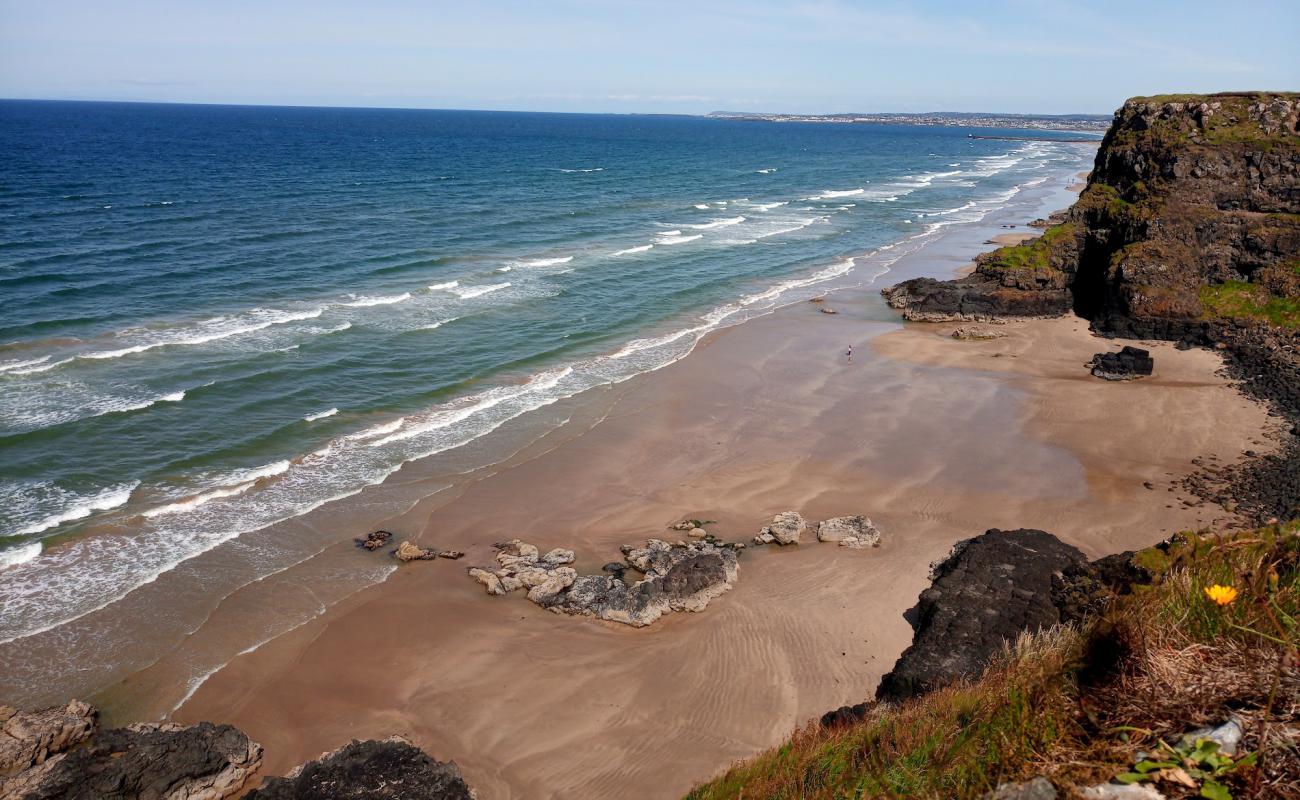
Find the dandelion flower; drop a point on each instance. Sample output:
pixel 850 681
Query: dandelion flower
pixel 1222 595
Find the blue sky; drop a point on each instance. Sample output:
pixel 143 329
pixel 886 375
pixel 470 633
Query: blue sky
pixel 1045 56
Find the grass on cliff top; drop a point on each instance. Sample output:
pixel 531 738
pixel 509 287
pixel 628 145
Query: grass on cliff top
pixel 1032 256
pixel 1079 704
pixel 1230 124
pixel 1249 301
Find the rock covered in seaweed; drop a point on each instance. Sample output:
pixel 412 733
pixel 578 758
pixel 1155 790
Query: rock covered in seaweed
pixel 374 540
pixel 393 769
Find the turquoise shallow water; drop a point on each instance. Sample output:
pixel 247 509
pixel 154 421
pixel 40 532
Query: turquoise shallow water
pixel 214 318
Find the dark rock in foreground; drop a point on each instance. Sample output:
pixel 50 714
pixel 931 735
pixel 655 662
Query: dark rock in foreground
pixel 147 760
pixel 370 770
pixel 1126 365
pixel 989 590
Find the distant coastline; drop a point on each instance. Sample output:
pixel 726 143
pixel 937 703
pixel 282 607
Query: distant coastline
pixel 957 119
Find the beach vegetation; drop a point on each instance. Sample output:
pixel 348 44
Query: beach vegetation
pixel 1108 700
pixel 1252 302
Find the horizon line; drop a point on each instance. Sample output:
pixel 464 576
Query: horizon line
pixel 1034 115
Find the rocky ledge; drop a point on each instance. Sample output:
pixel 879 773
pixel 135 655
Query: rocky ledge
pixel 677 577
pixel 373 770
pixel 56 753
pixel 985 593
pixel 59 754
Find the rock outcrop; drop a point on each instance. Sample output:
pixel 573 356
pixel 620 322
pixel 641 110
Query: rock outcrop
pixel 1126 365
pixel 29 738
pixel 786 528
pixel 677 577
pixel 374 540
pixel 393 769
pixel 55 753
pixel 985 592
pixel 855 532
pixel 1191 217
pixel 408 551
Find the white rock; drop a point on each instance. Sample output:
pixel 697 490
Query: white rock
pixel 490 582
pixel 786 528
pixel 1121 791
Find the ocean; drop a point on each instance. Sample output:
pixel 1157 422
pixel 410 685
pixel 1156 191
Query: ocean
pixel 215 318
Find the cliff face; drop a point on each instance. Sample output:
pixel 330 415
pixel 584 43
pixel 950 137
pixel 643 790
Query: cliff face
pixel 1191 218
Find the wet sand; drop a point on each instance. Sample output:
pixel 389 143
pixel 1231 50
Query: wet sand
pixel 934 439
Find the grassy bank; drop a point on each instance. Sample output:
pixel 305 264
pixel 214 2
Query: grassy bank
pixel 1084 704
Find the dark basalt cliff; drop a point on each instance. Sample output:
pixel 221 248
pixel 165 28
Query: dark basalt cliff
pixel 1190 219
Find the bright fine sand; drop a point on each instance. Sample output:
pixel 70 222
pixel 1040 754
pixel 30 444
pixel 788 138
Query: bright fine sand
pixel 935 439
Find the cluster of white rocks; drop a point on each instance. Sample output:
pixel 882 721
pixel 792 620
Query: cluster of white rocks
pixel 681 576
pixel 788 526
pixel 676 576
pixel 523 566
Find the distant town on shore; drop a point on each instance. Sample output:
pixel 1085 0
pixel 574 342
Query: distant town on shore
pixel 1063 122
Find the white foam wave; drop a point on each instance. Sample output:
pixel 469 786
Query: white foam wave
pixel 680 239
pixel 590 169
pixel 770 206
pixel 767 171
pixel 717 223
pixel 478 291
pixel 632 250
pixel 189 504
pixel 365 302
pixel 832 194
pixel 458 412
pixel 433 326
pixel 19 365
pixel 106 500
pixel 440 286
pixel 320 415
pixel 547 262
pixel 19 555
pixel 378 430
pixel 213 330
pixel 702 206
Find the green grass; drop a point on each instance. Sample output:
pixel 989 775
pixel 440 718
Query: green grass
pixel 1031 257
pixel 1248 301
pixel 1042 709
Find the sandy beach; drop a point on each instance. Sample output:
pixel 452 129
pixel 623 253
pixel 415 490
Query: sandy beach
pixel 935 439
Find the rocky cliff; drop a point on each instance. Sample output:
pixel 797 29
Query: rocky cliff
pixel 1190 220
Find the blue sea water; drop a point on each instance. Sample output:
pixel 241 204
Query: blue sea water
pixel 213 318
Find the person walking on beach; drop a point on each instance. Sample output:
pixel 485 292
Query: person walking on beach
pixel 850 354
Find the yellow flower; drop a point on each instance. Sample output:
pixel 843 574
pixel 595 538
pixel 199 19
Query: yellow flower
pixel 1222 595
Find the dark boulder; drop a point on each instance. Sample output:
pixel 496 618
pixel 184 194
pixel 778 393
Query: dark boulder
pixel 374 540
pixel 393 769
pixel 846 715
pixel 202 762
pixel 1127 364
pixel 988 590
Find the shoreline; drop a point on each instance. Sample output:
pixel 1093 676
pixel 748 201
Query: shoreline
pixel 917 462
pixel 306 549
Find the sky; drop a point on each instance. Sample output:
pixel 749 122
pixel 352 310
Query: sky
pixel 655 56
